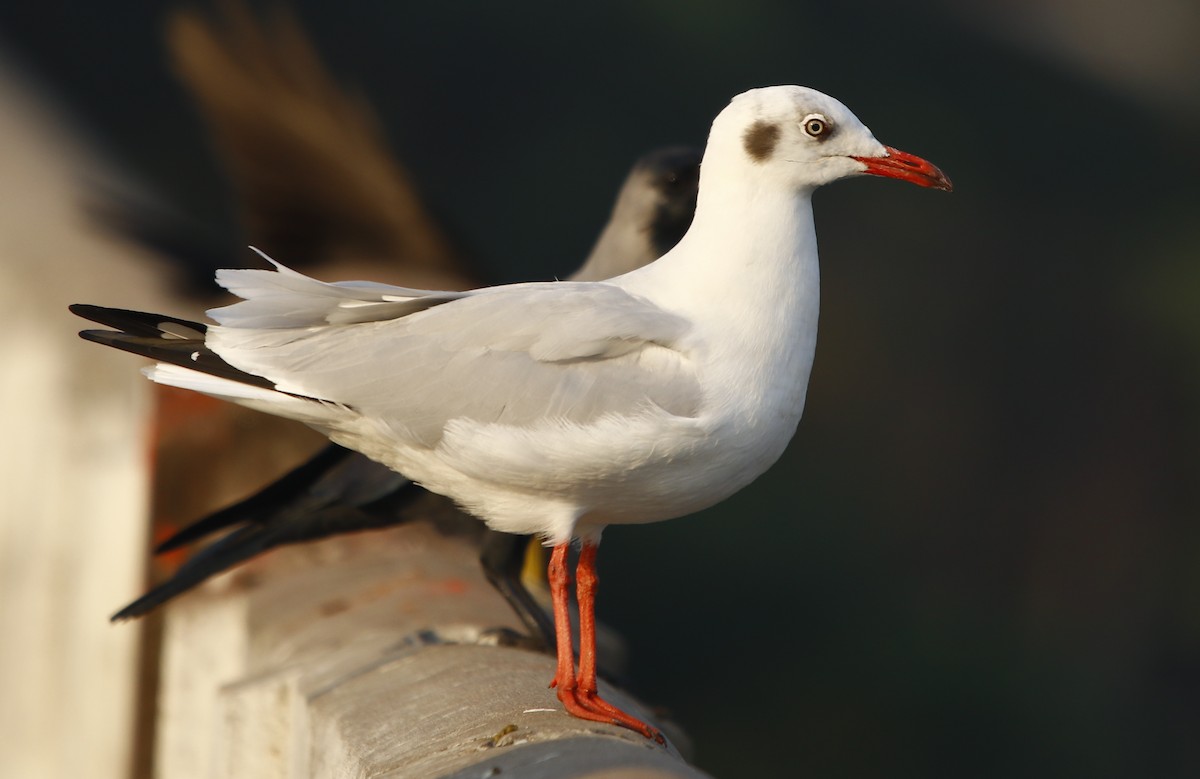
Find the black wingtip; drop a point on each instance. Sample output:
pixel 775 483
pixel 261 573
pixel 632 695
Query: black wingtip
pixel 125 614
pixel 147 603
pixel 264 504
pixel 139 323
pixel 162 338
pixel 105 337
pixel 223 554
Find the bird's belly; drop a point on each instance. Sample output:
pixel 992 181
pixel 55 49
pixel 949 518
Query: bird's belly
pixel 730 457
pixel 618 470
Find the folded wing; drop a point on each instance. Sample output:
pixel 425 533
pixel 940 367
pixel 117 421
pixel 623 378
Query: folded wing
pixel 565 352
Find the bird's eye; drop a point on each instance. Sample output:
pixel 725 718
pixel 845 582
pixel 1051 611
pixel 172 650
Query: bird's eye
pixel 815 126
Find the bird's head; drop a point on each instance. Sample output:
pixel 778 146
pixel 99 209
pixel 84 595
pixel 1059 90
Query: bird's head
pixel 803 139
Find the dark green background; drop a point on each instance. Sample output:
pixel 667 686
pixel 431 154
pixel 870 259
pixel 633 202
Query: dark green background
pixel 981 555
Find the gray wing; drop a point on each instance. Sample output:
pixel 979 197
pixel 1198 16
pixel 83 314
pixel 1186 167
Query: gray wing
pixel 513 355
pixel 284 298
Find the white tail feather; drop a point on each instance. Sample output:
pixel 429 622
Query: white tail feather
pixel 177 376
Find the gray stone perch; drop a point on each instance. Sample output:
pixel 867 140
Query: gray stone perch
pixel 374 655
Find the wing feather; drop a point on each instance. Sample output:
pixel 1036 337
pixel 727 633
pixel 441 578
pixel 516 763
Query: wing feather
pixel 284 298
pixel 514 355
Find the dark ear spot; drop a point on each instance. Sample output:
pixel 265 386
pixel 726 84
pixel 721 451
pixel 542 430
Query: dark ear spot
pixel 760 140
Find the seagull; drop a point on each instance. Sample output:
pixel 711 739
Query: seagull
pixel 339 491
pixel 558 408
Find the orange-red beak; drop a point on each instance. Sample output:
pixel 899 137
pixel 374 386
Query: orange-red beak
pixel 907 167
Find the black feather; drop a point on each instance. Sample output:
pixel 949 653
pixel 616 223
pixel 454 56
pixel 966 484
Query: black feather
pixel 136 322
pixel 242 544
pixel 162 338
pixel 284 492
pixel 331 494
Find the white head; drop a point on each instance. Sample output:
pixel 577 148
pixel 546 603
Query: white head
pixel 799 138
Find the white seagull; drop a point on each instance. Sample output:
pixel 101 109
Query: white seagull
pixel 559 408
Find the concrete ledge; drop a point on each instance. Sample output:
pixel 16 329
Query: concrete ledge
pixel 375 655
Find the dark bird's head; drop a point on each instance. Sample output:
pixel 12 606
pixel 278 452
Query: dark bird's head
pixel 653 211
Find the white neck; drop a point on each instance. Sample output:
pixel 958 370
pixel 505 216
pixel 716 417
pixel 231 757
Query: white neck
pixel 748 269
pixel 750 257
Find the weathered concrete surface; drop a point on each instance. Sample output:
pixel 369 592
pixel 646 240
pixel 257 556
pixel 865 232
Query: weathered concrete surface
pixel 373 655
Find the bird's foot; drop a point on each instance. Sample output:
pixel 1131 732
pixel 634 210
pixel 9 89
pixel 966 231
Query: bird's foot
pixel 587 704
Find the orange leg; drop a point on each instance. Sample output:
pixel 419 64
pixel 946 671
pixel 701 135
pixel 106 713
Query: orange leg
pixel 580 696
pixel 556 573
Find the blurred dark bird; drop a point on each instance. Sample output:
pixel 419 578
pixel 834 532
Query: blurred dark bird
pixel 339 491
pixel 315 182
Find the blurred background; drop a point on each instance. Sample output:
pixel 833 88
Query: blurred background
pixel 981 554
